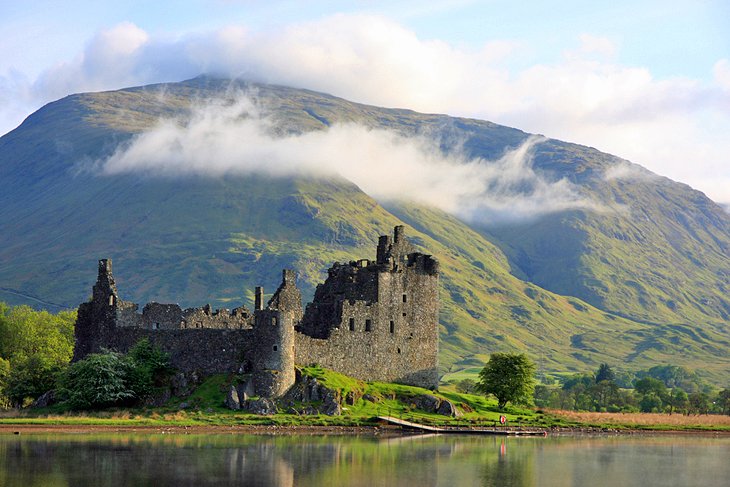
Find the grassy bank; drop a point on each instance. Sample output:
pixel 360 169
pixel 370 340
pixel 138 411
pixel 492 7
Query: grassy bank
pixel 205 408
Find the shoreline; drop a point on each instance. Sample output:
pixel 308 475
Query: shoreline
pixel 243 429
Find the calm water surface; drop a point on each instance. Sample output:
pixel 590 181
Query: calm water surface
pixel 196 460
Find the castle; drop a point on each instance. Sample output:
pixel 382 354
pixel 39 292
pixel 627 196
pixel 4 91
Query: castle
pixel 373 320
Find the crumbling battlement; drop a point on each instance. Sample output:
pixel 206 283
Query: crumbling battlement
pixel 374 320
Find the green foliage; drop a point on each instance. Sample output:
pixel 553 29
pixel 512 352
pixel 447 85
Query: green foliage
pixel 677 400
pixel 650 403
pixel 605 372
pixel 510 377
pixel 150 368
pixel 467 386
pixel 4 375
pixel 723 401
pixel 111 379
pixel 34 347
pixel 699 403
pixel 649 384
pixel 674 376
pixel 99 380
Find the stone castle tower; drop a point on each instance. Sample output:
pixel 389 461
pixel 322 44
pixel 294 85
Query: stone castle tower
pixel 373 320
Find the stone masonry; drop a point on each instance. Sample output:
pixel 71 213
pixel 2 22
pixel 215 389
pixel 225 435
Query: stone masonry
pixel 373 320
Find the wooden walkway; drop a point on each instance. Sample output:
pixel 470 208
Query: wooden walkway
pixel 459 430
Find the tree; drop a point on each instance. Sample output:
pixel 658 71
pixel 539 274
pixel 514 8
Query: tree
pixel 509 377
pixel 649 384
pixel 653 392
pixel 723 401
pixel 99 380
pixel 604 394
pixel 111 379
pixel 36 345
pixel 650 403
pixel 605 373
pixel 678 400
pixel 699 403
pixel 4 373
pixel 150 368
pixel 466 386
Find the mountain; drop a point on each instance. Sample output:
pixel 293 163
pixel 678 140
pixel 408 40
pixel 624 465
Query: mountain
pixel 637 277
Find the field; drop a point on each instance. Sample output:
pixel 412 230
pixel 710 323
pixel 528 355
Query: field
pixel 651 421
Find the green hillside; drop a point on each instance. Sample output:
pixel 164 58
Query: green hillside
pixel 641 282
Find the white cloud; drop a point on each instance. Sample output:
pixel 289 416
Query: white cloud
pixel 236 138
pixel 674 126
pixel 627 170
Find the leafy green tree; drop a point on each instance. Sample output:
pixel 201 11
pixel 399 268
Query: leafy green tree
pixel 31 377
pixel 723 401
pixel 4 374
pixel 699 403
pixel 37 345
pixel 510 377
pixel 466 386
pixel 650 403
pixel 649 384
pixel 112 379
pixel 99 380
pixel 604 393
pixel 677 400
pixel 653 394
pixel 150 368
pixel 605 373
pixel 676 376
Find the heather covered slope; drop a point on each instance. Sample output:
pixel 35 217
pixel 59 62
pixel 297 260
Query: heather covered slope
pixel 651 256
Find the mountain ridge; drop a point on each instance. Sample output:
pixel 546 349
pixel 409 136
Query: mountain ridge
pixel 188 240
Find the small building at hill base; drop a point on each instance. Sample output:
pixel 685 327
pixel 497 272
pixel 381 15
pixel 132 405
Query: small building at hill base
pixel 372 320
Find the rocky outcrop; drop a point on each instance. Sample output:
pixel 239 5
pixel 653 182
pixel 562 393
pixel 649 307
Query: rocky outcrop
pixel 431 404
pixel 262 406
pixel 309 396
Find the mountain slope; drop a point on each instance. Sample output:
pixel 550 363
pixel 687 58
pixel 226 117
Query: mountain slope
pixel 652 260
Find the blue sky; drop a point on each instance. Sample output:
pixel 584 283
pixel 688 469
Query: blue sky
pixel 646 80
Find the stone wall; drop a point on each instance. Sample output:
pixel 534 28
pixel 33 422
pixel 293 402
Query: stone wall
pixel 377 320
pixel 374 320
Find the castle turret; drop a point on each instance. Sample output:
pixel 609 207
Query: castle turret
pixel 273 372
pixel 96 319
pixel 105 289
pixel 258 298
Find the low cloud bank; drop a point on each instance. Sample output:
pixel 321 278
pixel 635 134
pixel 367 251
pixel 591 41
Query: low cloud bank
pixel 233 138
pixel 583 96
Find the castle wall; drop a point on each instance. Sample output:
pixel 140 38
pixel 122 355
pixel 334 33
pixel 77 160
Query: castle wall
pixel 371 320
pixel 203 351
pixel 393 336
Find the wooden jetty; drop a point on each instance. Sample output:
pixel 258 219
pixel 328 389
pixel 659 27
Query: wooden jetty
pixel 410 425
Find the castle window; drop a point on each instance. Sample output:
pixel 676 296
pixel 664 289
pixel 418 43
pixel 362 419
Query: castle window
pixel 368 325
pixel 392 326
pixel 352 324
pixel 155 326
pixel 404 315
pixel 276 348
pixel 111 300
pixel 405 298
pixel 274 321
pixel 398 350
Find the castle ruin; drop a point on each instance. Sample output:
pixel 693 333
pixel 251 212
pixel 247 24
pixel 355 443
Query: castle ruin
pixel 373 320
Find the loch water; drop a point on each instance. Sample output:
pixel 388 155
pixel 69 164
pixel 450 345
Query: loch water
pixel 159 460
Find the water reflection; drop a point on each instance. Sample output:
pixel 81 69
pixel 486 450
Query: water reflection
pixel 282 461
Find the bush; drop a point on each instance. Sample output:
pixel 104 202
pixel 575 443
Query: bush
pixel 100 380
pixel 112 379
